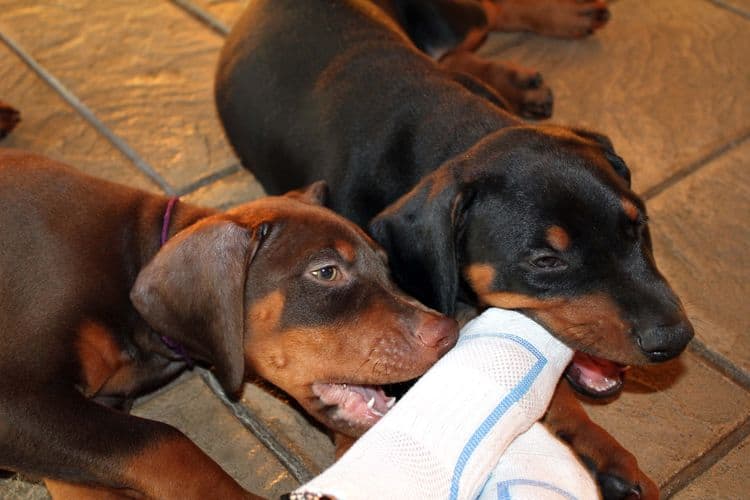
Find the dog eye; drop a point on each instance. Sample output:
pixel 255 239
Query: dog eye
pixel 548 262
pixel 327 273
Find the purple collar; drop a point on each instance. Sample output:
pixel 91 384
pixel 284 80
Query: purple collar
pixel 173 345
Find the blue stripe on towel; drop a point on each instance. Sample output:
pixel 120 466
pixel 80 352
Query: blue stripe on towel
pixel 503 488
pixel 497 413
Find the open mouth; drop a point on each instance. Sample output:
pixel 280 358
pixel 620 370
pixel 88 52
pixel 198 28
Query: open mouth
pixel 595 377
pixel 359 405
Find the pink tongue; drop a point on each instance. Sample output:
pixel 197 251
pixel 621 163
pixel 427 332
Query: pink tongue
pixel 595 374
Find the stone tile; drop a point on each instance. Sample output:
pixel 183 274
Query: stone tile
pixel 227 192
pixel 701 232
pixel 16 489
pixel 670 414
pixel 226 11
pixel 292 427
pixel 192 407
pixel 728 478
pixel 145 68
pixel 51 127
pixel 666 80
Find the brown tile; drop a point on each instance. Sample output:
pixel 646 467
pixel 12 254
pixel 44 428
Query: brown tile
pixel 145 68
pixel 227 192
pixel 670 414
pixel 51 127
pixel 226 11
pixel 192 407
pixel 728 478
pixel 295 431
pixel 701 232
pixel 666 80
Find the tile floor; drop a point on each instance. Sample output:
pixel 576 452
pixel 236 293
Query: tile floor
pixel 123 90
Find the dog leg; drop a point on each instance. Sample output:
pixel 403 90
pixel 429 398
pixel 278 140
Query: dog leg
pixel 60 490
pixel 615 468
pixel 557 18
pixel 65 438
pixel 522 88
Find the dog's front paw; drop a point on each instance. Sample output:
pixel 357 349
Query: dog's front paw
pixel 9 117
pixel 524 89
pixel 619 478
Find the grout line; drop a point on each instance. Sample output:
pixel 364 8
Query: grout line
pixel 209 179
pixel 88 115
pixel 693 167
pixel 704 462
pixel 251 422
pixel 202 16
pixel 731 8
pixel 720 363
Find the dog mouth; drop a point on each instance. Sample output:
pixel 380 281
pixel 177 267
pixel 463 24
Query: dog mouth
pixel 595 377
pixel 359 406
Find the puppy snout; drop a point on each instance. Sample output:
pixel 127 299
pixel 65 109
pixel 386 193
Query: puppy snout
pixel 438 332
pixel 661 343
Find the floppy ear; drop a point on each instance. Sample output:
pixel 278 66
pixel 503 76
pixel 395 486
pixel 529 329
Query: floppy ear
pixel 193 292
pixel 314 194
pixel 618 164
pixel 419 233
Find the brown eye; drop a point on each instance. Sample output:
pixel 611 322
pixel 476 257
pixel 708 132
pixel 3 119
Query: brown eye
pixel 327 273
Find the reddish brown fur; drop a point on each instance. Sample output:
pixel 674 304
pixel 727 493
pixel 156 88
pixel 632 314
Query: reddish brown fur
pixel 558 238
pixel 631 211
pixel 99 356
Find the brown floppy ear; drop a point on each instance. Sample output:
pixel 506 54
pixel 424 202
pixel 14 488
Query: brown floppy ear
pixel 314 194
pixel 193 292
pixel 419 233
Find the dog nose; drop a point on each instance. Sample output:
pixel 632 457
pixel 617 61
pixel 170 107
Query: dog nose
pixel 661 343
pixel 438 332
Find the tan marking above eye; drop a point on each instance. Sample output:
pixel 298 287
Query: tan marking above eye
pixel 558 238
pixel 346 250
pixel 480 277
pixel 631 211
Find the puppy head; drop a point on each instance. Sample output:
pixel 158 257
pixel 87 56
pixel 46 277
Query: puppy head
pixel 542 220
pixel 284 289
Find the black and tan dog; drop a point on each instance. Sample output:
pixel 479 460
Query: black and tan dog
pixel 278 288
pixel 474 207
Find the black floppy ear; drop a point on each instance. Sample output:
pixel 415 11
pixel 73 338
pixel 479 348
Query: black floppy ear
pixel 419 233
pixel 618 164
pixel 314 194
pixel 193 292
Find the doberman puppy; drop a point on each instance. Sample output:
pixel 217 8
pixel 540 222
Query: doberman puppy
pixel 473 207
pixel 94 311
pixel 451 30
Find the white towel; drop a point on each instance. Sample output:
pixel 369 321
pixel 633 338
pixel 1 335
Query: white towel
pixel 448 433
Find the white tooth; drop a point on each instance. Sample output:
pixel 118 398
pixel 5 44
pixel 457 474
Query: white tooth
pixel 371 402
pixel 390 402
pixel 376 412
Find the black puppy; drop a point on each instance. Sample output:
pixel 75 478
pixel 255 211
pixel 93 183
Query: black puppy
pixel 472 206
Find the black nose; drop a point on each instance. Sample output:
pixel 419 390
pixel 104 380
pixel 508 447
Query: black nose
pixel 661 343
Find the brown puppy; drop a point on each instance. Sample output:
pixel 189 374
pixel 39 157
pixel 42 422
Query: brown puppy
pixel 279 288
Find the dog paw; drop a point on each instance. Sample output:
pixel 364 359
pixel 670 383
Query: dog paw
pixel 556 18
pixel 524 90
pixel 622 480
pixel 9 117
pixel 616 488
